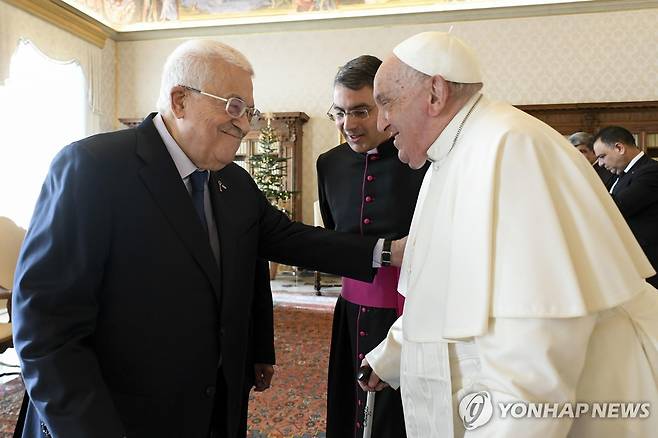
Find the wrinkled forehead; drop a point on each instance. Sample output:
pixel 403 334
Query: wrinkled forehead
pixel 387 79
pixel 228 80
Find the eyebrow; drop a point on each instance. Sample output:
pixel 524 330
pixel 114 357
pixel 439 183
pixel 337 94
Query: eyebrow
pixel 353 107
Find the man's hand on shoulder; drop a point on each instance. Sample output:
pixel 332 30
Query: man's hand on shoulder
pixel 397 251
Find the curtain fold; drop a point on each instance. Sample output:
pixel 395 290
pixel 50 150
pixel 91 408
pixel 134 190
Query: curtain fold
pixel 57 45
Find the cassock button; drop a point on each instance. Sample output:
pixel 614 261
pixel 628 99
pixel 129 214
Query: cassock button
pixel 358 402
pixel 361 356
pixel 370 178
pixel 366 221
pixel 362 333
pixel 369 198
pixel 210 391
pixel 374 157
pixel 358 425
pixel 364 310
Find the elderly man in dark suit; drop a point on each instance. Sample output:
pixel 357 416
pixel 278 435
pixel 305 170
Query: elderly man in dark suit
pixel 635 191
pixel 583 141
pixel 135 286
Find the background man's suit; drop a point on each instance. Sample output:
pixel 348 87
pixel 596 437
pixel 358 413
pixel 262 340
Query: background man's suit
pixel 636 195
pixel 123 320
pixel 608 178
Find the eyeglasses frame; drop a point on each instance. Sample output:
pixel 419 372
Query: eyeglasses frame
pixel 348 113
pixel 251 112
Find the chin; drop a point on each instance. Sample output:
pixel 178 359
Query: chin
pixel 403 157
pixel 360 148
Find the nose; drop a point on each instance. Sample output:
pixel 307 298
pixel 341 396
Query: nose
pixel 243 124
pixel 382 121
pixel 349 122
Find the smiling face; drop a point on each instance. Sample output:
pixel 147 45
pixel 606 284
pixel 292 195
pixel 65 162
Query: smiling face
pixel 202 128
pixel 402 112
pixel 361 134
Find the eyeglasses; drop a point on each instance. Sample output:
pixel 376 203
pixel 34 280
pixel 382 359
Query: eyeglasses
pixel 235 107
pixel 338 115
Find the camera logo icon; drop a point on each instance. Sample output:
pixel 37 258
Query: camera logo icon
pixel 476 409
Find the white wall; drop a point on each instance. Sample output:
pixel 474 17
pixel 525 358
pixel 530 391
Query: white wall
pixel 570 58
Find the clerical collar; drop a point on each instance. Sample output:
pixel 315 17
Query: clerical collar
pixel 439 150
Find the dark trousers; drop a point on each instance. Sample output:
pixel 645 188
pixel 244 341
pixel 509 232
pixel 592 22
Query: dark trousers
pixel 218 425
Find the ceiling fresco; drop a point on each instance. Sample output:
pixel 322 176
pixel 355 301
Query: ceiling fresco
pixel 127 15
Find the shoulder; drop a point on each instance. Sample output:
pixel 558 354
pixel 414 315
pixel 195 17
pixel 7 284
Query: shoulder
pixel 339 152
pixel 517 131
pixel 234 174
pixel 647 164
pixel 105 147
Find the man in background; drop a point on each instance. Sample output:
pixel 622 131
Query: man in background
pixel 635 188
pixel 584 142
pixel 134 288
pixel 363 189
pixel 523 282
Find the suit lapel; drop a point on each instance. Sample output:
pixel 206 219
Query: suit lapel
pixel 219 194
pixel 162 180
pixel 627 178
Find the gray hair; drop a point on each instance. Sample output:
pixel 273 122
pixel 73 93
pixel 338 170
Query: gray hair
pixel 582 138
pixel 458 90
pixel 192 64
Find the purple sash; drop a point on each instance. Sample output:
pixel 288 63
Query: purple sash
pixel 381 293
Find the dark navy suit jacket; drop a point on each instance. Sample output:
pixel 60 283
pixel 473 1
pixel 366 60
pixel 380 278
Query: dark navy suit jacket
pixel 636 195
pixel 123 320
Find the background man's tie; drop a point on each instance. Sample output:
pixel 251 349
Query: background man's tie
pixel 199 180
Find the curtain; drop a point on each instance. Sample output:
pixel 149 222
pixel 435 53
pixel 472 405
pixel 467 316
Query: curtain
pixel 57 44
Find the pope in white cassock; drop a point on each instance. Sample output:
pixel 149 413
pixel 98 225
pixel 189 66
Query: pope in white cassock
pixel 522 279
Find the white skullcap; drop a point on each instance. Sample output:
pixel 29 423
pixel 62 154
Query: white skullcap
pixel 439 53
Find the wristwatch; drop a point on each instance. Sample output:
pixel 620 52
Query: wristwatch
pixel 386 253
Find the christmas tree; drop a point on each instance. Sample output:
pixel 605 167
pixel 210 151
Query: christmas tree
pixel 269 170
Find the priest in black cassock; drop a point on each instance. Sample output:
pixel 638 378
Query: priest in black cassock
pixel 363 189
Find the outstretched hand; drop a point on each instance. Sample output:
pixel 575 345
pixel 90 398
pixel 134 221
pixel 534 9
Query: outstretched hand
pixel 397 251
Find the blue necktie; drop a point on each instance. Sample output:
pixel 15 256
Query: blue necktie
pixel 199 179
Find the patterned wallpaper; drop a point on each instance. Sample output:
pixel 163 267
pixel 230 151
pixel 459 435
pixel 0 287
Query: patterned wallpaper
pixel 570 58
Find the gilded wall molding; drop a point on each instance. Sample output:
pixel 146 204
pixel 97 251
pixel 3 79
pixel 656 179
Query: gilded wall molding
pixel 66 19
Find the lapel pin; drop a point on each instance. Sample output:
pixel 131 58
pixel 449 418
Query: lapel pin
pixel 221 185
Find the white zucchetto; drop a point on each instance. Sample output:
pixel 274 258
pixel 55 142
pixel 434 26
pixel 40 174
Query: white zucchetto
pixel 439 53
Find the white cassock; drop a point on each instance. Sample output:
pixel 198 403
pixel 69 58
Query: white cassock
pixel 521 278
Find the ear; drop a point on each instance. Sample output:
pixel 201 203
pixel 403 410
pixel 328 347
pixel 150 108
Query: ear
pixel 620 148
pixel 439 94
pixel 178 95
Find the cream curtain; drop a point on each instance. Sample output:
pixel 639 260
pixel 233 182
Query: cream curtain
pixel 59 45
